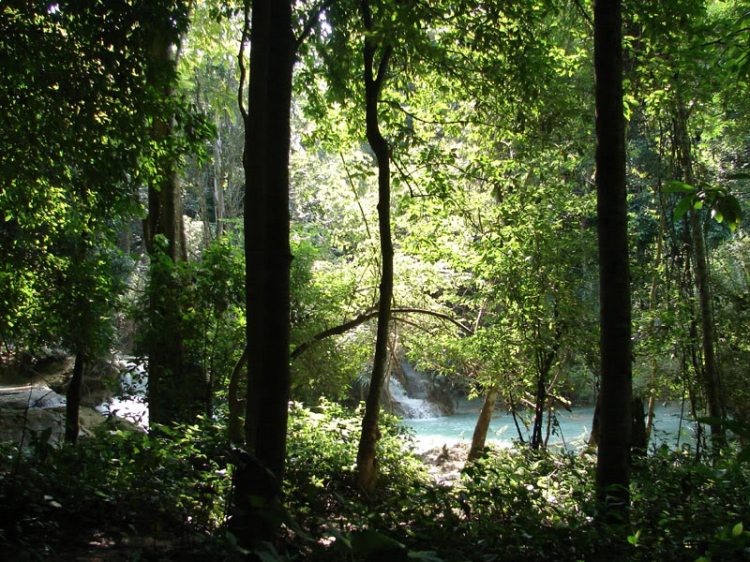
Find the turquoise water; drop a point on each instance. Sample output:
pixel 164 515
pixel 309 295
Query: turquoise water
pixel 572 432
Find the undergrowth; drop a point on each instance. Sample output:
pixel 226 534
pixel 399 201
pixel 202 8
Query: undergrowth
pixel 510 505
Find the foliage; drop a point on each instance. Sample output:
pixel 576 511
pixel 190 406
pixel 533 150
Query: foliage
pixel 118 482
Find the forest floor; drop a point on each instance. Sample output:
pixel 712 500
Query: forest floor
pixel 88 541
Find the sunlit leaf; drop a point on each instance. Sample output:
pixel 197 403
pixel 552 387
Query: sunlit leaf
pixel 678 187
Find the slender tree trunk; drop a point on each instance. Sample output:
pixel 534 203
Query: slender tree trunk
pixel 236 430
pixel 218 187
pixel 73 400
pixel 711 378
pixel 652 306
pixel 545 360
pixel 259 477
pixel 613 466
pixel 479 438
pixel 639 440
pixel 541 397
pixel 367 469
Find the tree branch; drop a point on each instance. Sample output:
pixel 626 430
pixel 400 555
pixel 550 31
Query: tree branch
pixel 310 24
pixel 241 61
pixel 369 315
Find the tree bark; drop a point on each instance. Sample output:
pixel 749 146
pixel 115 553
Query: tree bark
pixel 711 377
pixel 479 438
pixel 613 466
pixel 367 468
pixel 73 400
pixel 259 477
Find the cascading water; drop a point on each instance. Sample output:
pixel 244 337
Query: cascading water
pixel 416 405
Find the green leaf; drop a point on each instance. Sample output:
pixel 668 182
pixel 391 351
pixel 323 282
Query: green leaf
pixel 730 209
pixel 267 553
pixel 427 555
pixel 682 207
pixel 737 529
pixel 366 543
pixel 678 187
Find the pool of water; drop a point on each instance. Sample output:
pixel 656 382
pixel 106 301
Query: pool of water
pixel 571 432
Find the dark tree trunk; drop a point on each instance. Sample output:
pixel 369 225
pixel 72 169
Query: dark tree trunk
pixel 639 440
pixel 367 470
pixel 169 394
pixel 544 362
pixel 479 438
pixel 711 378
pixel 73 400
pixel 613 467
pixel 541 397
pixel 268 258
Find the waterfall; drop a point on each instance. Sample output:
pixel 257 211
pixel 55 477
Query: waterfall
pixel 410 400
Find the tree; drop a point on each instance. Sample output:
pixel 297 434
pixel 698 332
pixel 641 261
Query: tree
pixel 267 261
pixel 613 465
pixel 174 387
pixel 367 471
pixel 69 177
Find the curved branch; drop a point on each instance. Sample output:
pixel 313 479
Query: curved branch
pixel 369 315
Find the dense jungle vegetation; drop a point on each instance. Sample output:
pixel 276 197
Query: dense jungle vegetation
pixel 268 205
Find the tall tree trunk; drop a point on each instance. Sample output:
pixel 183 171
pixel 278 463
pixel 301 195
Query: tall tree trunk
pixel 613 466
pixel 479 438
pixel 711 378
pixel 73 400
pixel 367 469
pixel 258 480
pixel 168 393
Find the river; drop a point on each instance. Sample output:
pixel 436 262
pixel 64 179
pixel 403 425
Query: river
pixel 571 432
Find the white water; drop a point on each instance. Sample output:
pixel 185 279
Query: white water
pixel 130 404
pixel 411 407
pixel 572 432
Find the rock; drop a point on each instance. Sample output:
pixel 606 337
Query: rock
pixel 51 370
pixel 19 424
pixel 55 371
pixel 34 398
